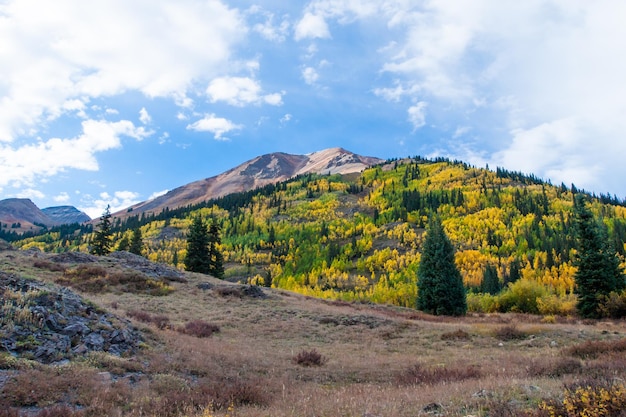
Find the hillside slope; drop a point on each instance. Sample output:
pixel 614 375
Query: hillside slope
pixel 210 348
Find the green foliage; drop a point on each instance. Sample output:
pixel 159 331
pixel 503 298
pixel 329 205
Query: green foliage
pixel 491 282
pixel 599 272
pixel 198 258
pixel 360 237
pixel 101 244
pixel 522 297
pixel 136 242
pixel 440 286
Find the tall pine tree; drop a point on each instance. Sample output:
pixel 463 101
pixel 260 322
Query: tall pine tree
pixel 491 281
pixel 440 286
pixel 216 257
pixel 197 258
pixel 136 242
pixel 101 243
pixel 599 272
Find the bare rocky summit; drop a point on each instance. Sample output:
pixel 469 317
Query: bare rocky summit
pixel 258 172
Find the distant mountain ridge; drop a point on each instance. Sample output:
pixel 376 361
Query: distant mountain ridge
pixel 24 212
pixel 66 214
pixel 260 171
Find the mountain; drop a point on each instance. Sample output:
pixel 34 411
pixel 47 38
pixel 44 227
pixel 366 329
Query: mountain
pixel 262 170
pixel 66 214
pixel 24 212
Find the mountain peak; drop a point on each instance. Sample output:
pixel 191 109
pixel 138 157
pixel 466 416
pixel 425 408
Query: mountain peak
pixel 266 169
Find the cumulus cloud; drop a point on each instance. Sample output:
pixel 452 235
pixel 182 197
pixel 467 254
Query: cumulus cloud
pixel 267 28
pixel 311 26
pixel 240 91
pixel 550 62
pixel 62 198
pixel 30 193
pixel 310 75
pixel 69 52
pixel 22 165
pixel 119 200
pixel 216 125
pixel 417 115
pixel 144 116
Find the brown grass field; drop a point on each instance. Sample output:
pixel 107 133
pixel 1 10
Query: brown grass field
pixel 220 351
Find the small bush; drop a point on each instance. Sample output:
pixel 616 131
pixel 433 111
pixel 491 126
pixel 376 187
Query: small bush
pixel 522 296
pixel 459 334
pixel 554 369
pixel 309 358
pixel 225 392
pixel 507 333
pixel 552 304
pixel 50 266
pixel 613 305
pixel 160 321
pixel 592 398
pixel 419 374
pixel 199 328
pixel 591 349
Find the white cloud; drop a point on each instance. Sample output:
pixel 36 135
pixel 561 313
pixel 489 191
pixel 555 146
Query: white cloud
pixel 267 28
pixel 69 51
pixel 311 26
pixel 417 115
pixel 216 125
pixel 62 198
pixel 157 194
pixel 144 116
pixel 286 118
pixel 240 91
pixel 120 200
pixel 310 75
pixel 30 193
pixel 22 165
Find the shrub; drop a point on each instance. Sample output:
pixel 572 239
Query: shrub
pixel 309 358
pixel 591 349
pixel 613 305
pixel 552 304
pixel 553 369
pixel 507 333
pixel 224 392
pixel 419 374
pixel 199 328
pixel 50 266
pixel 592 398
pixel 459 334
pixel 160 321
pixel 522 296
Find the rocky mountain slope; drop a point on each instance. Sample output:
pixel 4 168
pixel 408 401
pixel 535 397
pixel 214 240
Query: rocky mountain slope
pixel 66 214
pixel 262 170
pixel 23 211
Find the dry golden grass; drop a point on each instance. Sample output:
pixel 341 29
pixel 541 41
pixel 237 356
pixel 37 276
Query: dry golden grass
pixel 378 360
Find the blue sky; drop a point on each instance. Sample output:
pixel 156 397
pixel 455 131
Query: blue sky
pixel 113 102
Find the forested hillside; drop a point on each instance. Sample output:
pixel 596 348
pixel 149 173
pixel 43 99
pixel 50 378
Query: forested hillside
pixel 358 237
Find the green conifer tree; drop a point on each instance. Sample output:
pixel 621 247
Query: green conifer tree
pixel 123 244
pixel 491 282
pixel 440 286
pixel 599 272
pixel 136 242
pixel 198 259
pixel 101 243
pixel 215 256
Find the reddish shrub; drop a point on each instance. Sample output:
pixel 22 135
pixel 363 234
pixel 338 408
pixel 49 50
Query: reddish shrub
pixel 199 328
pixel 309 358
pixel 418 374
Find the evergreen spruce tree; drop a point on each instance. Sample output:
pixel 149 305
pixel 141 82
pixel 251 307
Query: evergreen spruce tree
pixel 215 256
pixel 136 242
pixel 491 282
pixel 101 243
pixel 598 272
pixel 440 286
pixel 198 259
pixel 515 272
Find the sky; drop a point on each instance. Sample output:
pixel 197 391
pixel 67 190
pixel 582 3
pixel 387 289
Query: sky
pixel 111 102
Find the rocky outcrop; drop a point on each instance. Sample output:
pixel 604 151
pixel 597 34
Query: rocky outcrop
pixel 149 268
pixel 49 324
